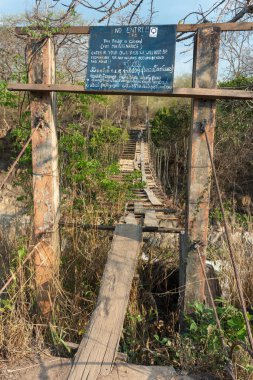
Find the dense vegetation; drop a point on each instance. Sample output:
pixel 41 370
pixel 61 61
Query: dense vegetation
pixel 92 131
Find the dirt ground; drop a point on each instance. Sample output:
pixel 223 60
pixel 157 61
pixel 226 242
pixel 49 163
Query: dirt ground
pixel 45 367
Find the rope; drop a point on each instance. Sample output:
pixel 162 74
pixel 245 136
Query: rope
pixel 231 253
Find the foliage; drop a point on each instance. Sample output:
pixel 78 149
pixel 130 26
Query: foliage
pixel 107 140
pixel 203 331
pixel 170 124
pixel 88 166
pixel 7 98
pixel 205 336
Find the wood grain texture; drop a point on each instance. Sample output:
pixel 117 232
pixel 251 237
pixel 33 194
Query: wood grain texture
pixel 41 59
pixel 98 348
pixel 205 70
pixel 152 198
pixel 195 93
pixel 150 194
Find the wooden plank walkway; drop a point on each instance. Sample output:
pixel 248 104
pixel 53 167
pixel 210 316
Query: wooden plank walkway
pixel 152 198
pixel 98 348
pixel 150 219
pixel 150 194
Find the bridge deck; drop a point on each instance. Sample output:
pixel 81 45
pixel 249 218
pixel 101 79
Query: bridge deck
pixel 96 354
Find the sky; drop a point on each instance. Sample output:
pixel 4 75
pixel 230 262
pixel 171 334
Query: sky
pixel 168 12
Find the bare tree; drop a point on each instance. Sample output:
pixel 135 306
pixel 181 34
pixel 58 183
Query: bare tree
pixel 220 11
pixel 236 53
pixel 106 9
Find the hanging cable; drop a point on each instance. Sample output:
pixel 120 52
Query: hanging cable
pixel 231 254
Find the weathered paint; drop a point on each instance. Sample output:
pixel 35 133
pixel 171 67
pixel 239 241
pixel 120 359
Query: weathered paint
pixel 205 68
pixel 45 169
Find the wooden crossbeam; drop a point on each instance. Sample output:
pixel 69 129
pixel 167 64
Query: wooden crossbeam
pixel 97 351
pixel 195 93
pixel 112 228
pixel 181 28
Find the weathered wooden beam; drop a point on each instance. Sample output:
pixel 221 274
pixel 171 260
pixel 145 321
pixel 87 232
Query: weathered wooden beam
pixel 112 228
pixel 181 28
pixel 150 219
pixel 205 69
pixel 41 63
pixel 196 93
pixel 97 351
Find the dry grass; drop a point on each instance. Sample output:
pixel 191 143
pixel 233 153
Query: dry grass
pixel 242 243
pixel 150 332
pixel 22 330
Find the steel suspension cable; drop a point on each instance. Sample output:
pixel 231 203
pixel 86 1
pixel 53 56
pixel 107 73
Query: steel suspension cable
pixel 230 248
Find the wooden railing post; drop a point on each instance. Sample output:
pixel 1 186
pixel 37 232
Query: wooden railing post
pixel 41 66
pixel 205 68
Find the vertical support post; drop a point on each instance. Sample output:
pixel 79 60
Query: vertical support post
pixel 147 119
pixel 129 111
pixel 41 61
pixel 205 69
pixel 182 270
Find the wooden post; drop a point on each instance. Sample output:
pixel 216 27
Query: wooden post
pixel 41 62
pixel 205 68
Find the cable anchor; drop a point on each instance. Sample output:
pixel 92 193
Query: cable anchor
pixel 201 125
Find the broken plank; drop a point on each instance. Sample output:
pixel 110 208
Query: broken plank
pixel 98 348
pixel 152 198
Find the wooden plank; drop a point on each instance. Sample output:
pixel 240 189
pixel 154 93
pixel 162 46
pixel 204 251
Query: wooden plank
pixel 138 208
pixel 98 348
pixel 196 93
pixel 184 28
pixel 152 198
pixel 41 63
pixel 130 219
pixel 205 69
pixel 150 219
pixel 112 228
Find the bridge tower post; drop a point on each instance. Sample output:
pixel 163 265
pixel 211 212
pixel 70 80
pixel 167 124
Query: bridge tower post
pixel 205 69
pixel 41 70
